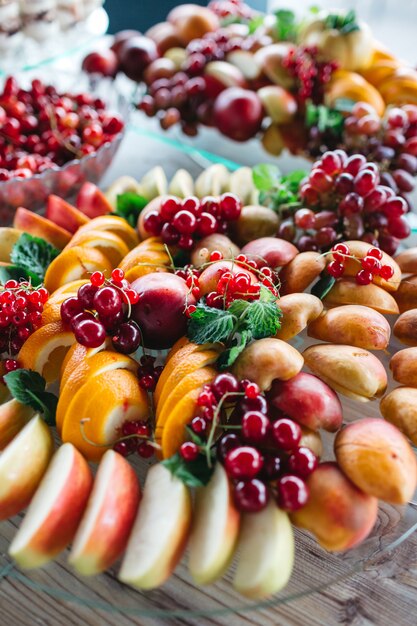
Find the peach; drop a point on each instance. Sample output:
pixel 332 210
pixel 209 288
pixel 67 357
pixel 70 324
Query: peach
pixel 403 366
pixel 338 514
pixel 406 295
pixel 311 439
pixel 225 74
pixel 345 291
pixel 192 21
pixel 301 272
pixel 64 214
pixel 164 35
pixel 266 360
pixel 92 202
pixel 41 227
pixel 354 325
pixel 298 310
pixel 359 249
pixel 270 59
pixel 400 408
pixel 308 400
pixel 378 459
pixel 255 222
pixel 354 372
pixel 270 251
pixel 405 327
pixel 203 248
pixel 210 276
pixel 278 103
pixel 407 260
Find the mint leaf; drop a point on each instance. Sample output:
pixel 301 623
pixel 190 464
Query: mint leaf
pixel 129 206
pixel 255 23
pixel 13 272
pixel 323 286
pixel 28 387
pixel 292 181
pixel 286 25
pixel 33 254
pixel 238 307
pixel 265 176
pixel 192 473
pixel 326 119
pixel 263 318
pixel 209 325
pixel 229 356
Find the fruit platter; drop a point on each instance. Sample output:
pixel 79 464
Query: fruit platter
pixel 201 375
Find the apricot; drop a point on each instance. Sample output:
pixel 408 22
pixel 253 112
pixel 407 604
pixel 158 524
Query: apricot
pixel 301 272
pixel 270 251
pixel 346 291
pixel 354 325
pixel 403 366
pixel 312 439
pixel 338 514
pixel 298 310
pixel 378 459
pixel 407 261
pixel 192 21
pixel 270 60
pixel 307 400
pixel 255 222
pixel 405 327
pixel 359 250
pixel 217 241
pixel 406 295
pixel 164 35
pixel 399 407
pixel 278 103
pixel 266 360
pixel 353 372
pixel 210 276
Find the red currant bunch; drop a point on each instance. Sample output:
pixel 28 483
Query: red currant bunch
pixel 181 222
pixel 135 438
pixel 21 308
pixel 102 308
pixel 370 265
pixel 148 373
pixel 311 74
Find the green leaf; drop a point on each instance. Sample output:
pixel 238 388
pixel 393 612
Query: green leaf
pixel 192 473
pixel 13 272
pixel 129 206
pixel 345 24
pixel 265 176
pixel 314 10
pixel 238 307
pixel 229 356
pixel 286 26
pixel 325 119
pixel 292 181
pixel 33 254
pixel 255 23
pixel 263 319
pixel 323 286
pixel 209 325
pixel 28 387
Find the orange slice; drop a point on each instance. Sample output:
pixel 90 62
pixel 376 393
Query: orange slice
pixel 143 253
pixel 68 288
pixel 45 350
pixel 74 264
pixel 173 434
pixel 111 245
pixel 202 376
pixel 106 402
pixel 76 355
pixel 103 361
pixel 114 224
pixel 178 345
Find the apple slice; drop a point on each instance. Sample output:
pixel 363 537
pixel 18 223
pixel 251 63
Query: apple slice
pixel 266 545
pixel 22 464
pixel 64 214
pixel 160 532
pixel 92 202
pixel 105 528
pixel 41 227
pixel 8 238
pixel 215 529
pixel 54 514
pixel 13 417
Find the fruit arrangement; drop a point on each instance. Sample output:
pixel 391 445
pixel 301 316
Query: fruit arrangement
pixel 172 342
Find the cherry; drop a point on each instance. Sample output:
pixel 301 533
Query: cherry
pixel 207 224
pixel 89 332
pixel 272 467
pixel 184 222
pixel 145 450
pixel 254 404
pixel 107 301
pixel 86 295
pixel 252 391
pixel 302 462
pixel 206 397
pixel 228 442
pixel 286 433
pixel 250 496
pixel 224 383
pixel 230 206
pixel 198 425
pixel 255 426
pixel 243 462
pixel 152 223
pixel 127 339
pixel 70 308
pixel 189 451
pixel 292 493
pixel 123 448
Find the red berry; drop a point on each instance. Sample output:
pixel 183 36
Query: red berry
pixel 89 333
pixel 147 382
pixel 386 272
pixel 97 279
pixel 335 269
pixel 371 264
pixel 86 295
pixel 10 365
pixel 255 426
pixel 152 223
pixel 198 425
pixel 206 398
pixel 228 442
pixel 145 450
pixel 286 433
pixel 302 462
pixel 216 256
pixel 70 308
pixel 117 275
pixel 293 493
pixel 207 224
pixel 189 451
pixel 191 308
pixel 342 248
pixel 224 383
pixel 252 391
pixel 132 296
pixel 169 206
pixel 243 462
pixel 184 222
pixel 250 496
pixel 363 277
pixel 375 252
pixel 191 204
pixel 123 448
pixel 108 301
pixel 230 206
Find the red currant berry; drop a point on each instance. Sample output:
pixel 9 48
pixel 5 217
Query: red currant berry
pixel 169 206
pixel 335 269
pixel 230 206
pixel 192 205
pixel 184 222
pixel 191 308
pixel 207 224
pixel 255 426
pixel 371 264
pixel 386 272
pixel 302 462
pixel 293 493
pixel 10 365
pixel 250 496
pixel 206 398
pixel 286 433
pixel 97 279
pixel 117 275
pixel 132 296
pixel 11 284
pixel 243 462
pixel 145 450
pixel 375 252
pixel 152 223
pixel 363 277
pixel 198 425
pixel 147 382
pixel 189 451
pixel 252 391
pixel 216 256
pixel 228 442
pixel 254 404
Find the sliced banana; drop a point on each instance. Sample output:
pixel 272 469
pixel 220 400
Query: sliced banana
pixel 8 238
pixel 213 181
pixel 154 183
pixel 241 184
pixel 182 184
pixel 124 184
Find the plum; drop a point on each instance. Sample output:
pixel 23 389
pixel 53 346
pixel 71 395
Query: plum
pixel 270 251
pixel 135 55
pixel 238 113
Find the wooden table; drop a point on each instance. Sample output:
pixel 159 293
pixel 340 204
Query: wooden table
pixel 385 593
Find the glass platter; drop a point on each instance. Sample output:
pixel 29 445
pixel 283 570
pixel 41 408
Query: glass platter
pixel 315 569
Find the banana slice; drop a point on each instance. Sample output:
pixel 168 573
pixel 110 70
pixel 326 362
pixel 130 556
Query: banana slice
pixel 124 184
pixel 154 183
pixel 182 184
pixel 213 181
pixel 241 184
pixel 8 238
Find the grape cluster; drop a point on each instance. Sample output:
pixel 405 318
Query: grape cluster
pixel 346 200
pixel 21 309
pixel 368 267
pixel 41 128
pixel 135 438
pixel 265 459
pixel 180 223
pixel 310 73
pixel 102 308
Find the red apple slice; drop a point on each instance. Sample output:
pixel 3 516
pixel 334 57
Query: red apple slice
pixel 13 417
pixel 41 227
pixel 160 532
pixel 55 512
pixel 92 202
pixel 22 464
pixel 215 529
pixel 64 214
pixel 105 528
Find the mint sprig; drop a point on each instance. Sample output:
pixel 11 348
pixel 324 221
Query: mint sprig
pixel 276 191
pixel 129 206
pixel 33 255
pixel 192 473
pixel 28 387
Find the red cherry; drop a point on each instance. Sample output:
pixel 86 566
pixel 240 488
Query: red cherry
pixel 302 462
pixel 230 206
pixel 69 308
pixel 286 433
pixel 250 496
pixel 243 462
pixel 145 450
pixel 123 448
pixel 86 295
pixel 252 391
pixel 89 333
pixel 189 451
pixel 198 425
pixel 185 222
pixel 224 383
pixel 255 426
pixel 293 493
pixel 207 224
pixel 228 442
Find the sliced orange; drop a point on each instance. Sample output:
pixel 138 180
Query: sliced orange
pixel 68 288
pixel 105 402
pixel 141 270
pixel 45 350
pixel 99 363
pixel 76 355
pixel 187 366
pixel 180 343
pixel 145 252
pixel 74 264
pixel 202 376
pixel 114 224
pixel 173 434
pixel 111 245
